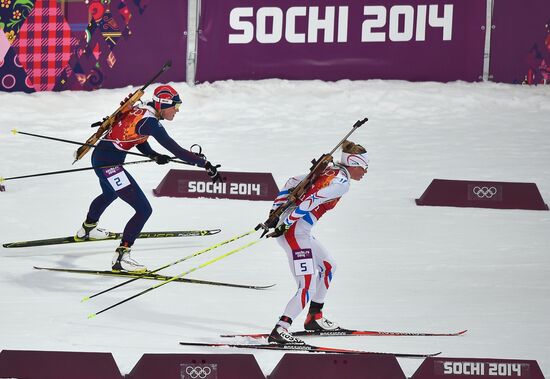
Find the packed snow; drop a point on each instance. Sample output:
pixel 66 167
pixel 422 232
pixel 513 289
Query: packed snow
pixel 401 267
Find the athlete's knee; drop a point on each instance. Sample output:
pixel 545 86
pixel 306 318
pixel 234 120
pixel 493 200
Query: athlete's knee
pixel 306 287
pixel 146 211
pixel 107 197
pixel 328 267
pixel 143 210
pixel 326 272
pixel 309 284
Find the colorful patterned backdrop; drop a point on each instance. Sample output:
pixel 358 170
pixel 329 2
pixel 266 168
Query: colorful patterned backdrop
pixel 89 44
pixel 13 14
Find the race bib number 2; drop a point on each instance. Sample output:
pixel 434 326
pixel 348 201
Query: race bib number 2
pixel 117 177
pixel 303 262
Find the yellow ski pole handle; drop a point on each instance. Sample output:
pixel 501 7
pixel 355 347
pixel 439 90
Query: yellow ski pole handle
pixel 172 264
pixel 176 277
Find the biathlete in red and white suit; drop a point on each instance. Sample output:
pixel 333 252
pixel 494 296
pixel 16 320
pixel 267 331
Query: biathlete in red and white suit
pixel 311 264
pixel 133 130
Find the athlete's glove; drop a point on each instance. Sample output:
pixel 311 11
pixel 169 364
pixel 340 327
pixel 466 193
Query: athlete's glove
pixel 268 224
pixel 161 158
pixel 212 172
pixel 278 231
pixel 271 222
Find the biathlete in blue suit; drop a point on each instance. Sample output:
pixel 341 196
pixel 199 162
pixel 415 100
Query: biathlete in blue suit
pixel 133 130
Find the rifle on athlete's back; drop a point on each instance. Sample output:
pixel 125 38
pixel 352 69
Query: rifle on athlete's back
pixel 106 124
pixel 315 171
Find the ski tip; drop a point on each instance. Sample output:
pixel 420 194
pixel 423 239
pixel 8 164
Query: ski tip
pixel 92 315
pixel 85 299
pixel 462 332
pixel 14 131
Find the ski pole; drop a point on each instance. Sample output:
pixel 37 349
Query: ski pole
pixel 171 264
pixel 15 131
pixel 71 170
pixel 176 277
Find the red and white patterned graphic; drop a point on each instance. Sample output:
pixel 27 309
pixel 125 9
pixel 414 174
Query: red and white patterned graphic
pixel 4 47
pixel 44 44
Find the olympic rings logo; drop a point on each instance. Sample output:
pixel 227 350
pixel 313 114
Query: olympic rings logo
pixel 484 192
pixel 198 372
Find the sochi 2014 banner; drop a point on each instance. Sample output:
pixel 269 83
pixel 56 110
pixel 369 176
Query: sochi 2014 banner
pixel 418 40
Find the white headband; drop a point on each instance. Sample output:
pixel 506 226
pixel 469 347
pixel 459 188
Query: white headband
pixel 163 101
pixel 355 160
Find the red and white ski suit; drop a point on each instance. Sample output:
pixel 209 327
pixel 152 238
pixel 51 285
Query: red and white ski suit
pixel 310 263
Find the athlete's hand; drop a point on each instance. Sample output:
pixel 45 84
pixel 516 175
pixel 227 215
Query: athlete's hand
pixel 161 158
pixel 278 231
pixel 271 221
pixel 212 172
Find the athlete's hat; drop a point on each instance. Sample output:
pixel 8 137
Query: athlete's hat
pixel 165 97
pixel 355 160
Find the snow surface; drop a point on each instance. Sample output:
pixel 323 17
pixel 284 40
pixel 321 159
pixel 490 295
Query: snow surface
pixel 401 267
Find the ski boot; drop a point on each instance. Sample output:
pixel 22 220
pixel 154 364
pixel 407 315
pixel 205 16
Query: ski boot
pixel 123 262
pixel 315 320
pixel 90 231
pixel 281 336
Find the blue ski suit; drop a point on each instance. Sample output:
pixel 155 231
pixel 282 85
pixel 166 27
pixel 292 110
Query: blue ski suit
pixel 133 130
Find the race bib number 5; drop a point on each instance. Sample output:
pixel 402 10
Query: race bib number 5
pixel 117 177
pixel 303 262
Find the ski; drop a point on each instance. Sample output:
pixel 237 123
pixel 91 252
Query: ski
pixel 151 276
pixel 113 236
pixel 306 348
pixel 351 332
